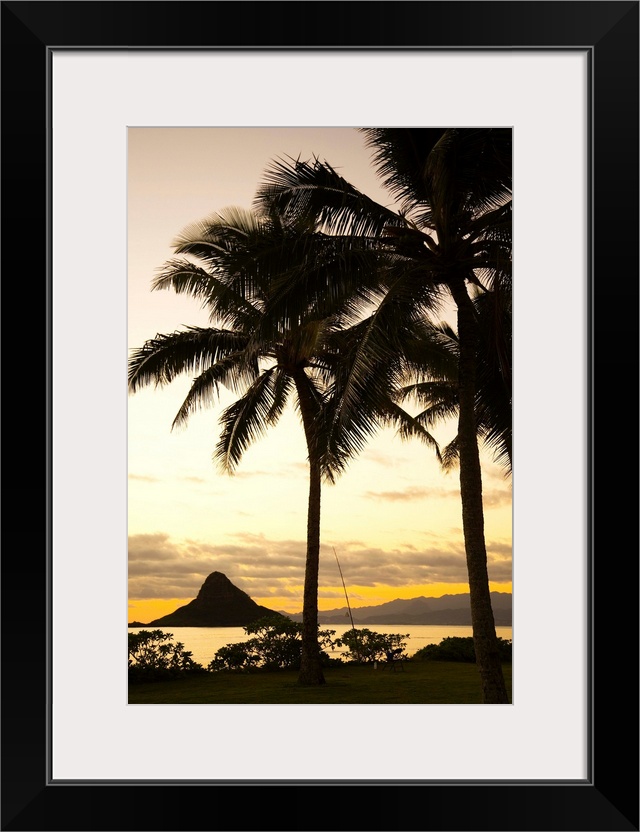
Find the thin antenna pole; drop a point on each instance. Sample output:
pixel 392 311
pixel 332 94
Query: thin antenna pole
pixel 353 626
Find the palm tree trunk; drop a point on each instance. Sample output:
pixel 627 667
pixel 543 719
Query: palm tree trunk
pixel 484 631
pixel 310 667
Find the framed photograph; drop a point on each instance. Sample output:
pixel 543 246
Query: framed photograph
pixel 82 78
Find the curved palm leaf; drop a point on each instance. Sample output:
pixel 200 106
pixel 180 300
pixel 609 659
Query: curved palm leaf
pixel 161 359
pixel 248 418
pixel 235 373
pixel 437 390
pixel 400 156
pixel 313 192
pixel 223 302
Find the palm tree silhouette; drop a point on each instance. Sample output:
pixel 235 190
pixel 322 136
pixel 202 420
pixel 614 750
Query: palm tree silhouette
pixel 266 351
pixel 451 234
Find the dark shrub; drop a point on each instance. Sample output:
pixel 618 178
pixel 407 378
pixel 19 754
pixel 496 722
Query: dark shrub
pixel 365 645
pixel 458 649
pixel 276 645
pixel 154 657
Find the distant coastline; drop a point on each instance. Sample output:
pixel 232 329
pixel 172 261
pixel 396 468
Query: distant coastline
pixel 446 610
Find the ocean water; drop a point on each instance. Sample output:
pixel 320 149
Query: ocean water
pixel 204 642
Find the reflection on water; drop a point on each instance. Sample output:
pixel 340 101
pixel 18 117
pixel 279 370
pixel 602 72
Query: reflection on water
pixel 204 642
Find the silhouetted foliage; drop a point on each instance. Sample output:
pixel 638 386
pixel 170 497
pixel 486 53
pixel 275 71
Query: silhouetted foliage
pixel 277 645
pixel 154 657
pixel 458 649
pixel 365 645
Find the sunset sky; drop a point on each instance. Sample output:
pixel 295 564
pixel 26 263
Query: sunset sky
pixel 393 517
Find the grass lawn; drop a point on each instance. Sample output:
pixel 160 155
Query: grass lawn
pixel 421 683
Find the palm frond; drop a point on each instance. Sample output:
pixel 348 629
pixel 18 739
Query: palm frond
pixel 450 455
pixel 469 170
pixel 400 157
pixel 219 234
pixel 248 418
pixel 329 276
pixel 439 399
pixel 234 372
pixel 161 359
pixel 313 192
pixel 495 223
pixel 411 427
pixel 376 359
pixel 224 303
pixel 282 387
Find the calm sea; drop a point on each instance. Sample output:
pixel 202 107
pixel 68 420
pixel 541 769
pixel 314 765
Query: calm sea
pixel 205 641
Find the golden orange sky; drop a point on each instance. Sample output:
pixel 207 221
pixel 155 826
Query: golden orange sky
pixel 146 610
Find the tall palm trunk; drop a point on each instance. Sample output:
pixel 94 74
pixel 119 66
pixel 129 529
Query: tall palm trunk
pixel 482 620
pixel 310 667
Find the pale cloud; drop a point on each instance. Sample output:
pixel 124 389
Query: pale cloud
pixel 150 478
pixel 492 498
pixel 283 471
pixel 500 550
pixel 495 472
pixel 299 467
pixel 412 492
pixel 387 460
pixel 247 475
pixel 164 568
pixel 496 498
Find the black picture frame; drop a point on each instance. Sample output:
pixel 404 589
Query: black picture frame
pixel 608 799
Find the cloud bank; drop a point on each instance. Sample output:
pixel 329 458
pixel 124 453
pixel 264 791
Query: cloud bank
pixel 161 567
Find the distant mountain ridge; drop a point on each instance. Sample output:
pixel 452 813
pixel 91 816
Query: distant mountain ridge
pixel 454 610
pixel 222 604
